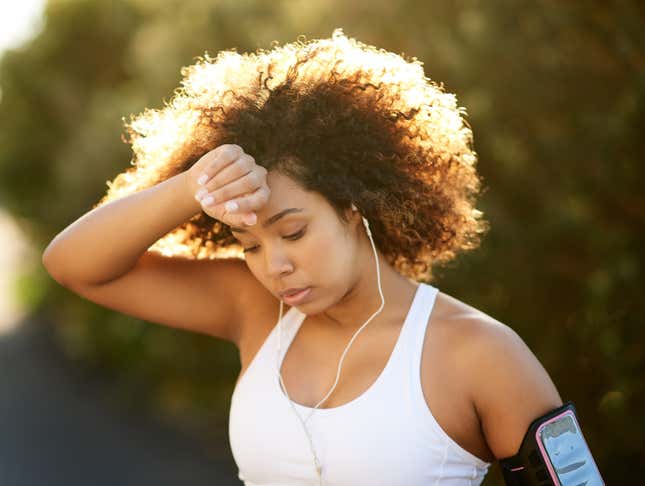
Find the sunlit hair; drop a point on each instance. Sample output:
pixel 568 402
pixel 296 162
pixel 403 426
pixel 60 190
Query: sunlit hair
pixel 344 119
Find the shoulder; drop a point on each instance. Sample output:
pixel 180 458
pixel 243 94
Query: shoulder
pixel 507 384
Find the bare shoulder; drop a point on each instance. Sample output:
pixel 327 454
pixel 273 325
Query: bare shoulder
pixel 507 384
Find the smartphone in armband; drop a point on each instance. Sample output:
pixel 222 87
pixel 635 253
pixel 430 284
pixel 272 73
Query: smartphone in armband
pixel 553 453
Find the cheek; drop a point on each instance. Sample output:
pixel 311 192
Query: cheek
pixel 326 254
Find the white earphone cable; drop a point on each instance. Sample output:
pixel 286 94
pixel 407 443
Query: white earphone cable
pixel 340 363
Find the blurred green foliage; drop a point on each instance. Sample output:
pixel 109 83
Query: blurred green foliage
pixel 555 94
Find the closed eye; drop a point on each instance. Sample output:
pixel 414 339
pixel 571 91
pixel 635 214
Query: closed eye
pixel 294 236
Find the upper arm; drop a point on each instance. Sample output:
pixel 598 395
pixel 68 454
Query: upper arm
pixel 207 296
pixel 510 389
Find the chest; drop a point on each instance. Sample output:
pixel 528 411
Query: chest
pixel 310 367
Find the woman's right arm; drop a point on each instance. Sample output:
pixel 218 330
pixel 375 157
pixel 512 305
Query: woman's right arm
pixel 106 242
pixel 103 256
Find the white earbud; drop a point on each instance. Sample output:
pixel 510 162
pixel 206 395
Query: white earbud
pixel 365 222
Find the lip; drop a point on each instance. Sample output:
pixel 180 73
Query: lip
pixel 291 290
pixel 297 297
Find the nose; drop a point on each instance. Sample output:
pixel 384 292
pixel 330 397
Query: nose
pixel 277 263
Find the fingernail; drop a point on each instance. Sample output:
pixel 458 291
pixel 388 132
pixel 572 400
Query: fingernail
pixel 208 200
pixel 201 193
pixel 231 206
pixel 251 219
pixel 203 178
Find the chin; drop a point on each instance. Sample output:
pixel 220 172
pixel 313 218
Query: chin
pixel 308 308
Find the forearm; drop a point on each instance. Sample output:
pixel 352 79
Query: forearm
pixel 106 242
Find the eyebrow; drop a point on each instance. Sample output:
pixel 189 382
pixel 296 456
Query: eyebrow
pixel 271 220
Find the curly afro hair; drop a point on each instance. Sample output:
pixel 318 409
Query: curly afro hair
pixel 347 120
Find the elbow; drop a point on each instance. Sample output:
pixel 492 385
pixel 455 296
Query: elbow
pixel 52 268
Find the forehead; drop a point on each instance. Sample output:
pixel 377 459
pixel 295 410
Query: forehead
pixel 285 192
pixel 281 184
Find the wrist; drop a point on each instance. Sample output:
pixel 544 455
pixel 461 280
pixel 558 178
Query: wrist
pixel 189 188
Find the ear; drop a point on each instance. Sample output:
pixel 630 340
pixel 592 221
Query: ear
pixel 354 220
pixel 353 214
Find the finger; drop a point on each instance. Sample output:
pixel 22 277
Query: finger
pixel 250 219
pixel 239 220
pixel 250 202
pixel 220 213
pixel 232 172
pixel 216 160
pixel 223 212
pixel 245 184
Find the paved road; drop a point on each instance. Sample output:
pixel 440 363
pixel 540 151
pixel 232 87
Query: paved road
pixel 57 430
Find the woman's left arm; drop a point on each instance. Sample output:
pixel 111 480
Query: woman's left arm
pixel 510 387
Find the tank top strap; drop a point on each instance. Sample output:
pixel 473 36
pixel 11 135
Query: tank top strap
pixel 285 330
pixel 412 332
pixel 415 332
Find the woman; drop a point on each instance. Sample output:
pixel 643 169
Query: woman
pixel 353 174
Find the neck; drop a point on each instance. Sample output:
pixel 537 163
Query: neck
pixel 363 298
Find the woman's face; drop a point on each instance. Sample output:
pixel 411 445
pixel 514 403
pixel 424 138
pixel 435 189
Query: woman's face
pixel 308 246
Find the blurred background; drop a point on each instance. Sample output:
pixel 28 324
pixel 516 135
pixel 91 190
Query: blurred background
pixel 555 95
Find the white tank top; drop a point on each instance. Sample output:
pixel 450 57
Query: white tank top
pixel 386 436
